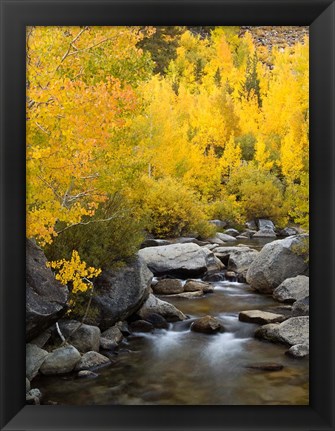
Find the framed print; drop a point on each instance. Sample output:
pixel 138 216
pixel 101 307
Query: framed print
pixel 156 241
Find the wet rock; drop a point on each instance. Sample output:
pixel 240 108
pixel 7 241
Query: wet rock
pixel 83 337
pixel 298 351
pixel 260 317
pixel 236 258
pixel 87 374
pixel 46 297
pixel 213 278
pixel 231 275
pixel 34 359
pixel 266 366
pixel 91 360
pixel 292 331
pixel 232 232
pixel 113 334
pixel 207 325
pixel 157 306
pixel 292 289
pixel 141 326
pixel 189 295
pixel 61 361
pixel 179 260
pixel 106 344
pixel 121 293
pixel 157 321
pixel 168 286
pixel 278 261
pixel 33 396
pixel 301 307
pixel 196 285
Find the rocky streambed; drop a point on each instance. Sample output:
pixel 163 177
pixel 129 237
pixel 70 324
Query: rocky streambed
pixel 217 324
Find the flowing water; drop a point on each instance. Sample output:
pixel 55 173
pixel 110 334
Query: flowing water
pixel 177 366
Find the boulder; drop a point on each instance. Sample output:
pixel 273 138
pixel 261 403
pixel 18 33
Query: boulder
pixel 141 326
pixel 265 224
pixel 106 344
pixel 27 385
pixel 276 262
pixel 45 296
pixel 42 339
pixel 33 396
pixel 179 260
pixel 197 285
pixel 260 317
pixel 157 306
pixel 249 233
pixel 236 259
pixel 298 351
pixel 35 357
pixel 265 233
pixel 292 331
pixel 207 325
pixel 91 360
pixel 121 293
pixel 83 337
pixel 113 334
pixel 301 307
pixel 168 286
pixel 232 232
pixel 61 361
pixel 292 289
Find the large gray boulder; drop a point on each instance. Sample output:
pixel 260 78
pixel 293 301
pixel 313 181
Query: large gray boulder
pixel 278 261
pixel 121 293
pixel 292 331
pixel 265 224
pixel 45 296
pixel 225 237
pixel 163 308
pixel 83 337
pixel 180 260
pixel 34 359
pixel 61 361
pixel 301 307
pixel 265 233
pixel 236 259
pixel 91 360
pixel 292 289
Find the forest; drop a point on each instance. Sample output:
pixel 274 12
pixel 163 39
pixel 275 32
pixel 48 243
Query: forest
pixel 137 131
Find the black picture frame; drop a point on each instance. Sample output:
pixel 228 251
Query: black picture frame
pixel 15 15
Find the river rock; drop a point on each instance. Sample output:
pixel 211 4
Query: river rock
pixel 225 238
pixel 179 260
pixel 33 396
pixel 61 361
pixel 168 286
pixel 91 360
pixel 197 285
pixel 157 306
pixel 298 351
pixel 106 344
pixel 83 337
pixel 34 359
pixel 266 366
pixel 292 289
pixel 301 307
pixel 236 258
pixel 154 243
pixel 292 331
pixel 265 233
pixel 288 231
pixel 42 339
pixel 276 262
pixel 232 232
pixel 157 321
pixel 188 295
pixel 207 325
pixel 46 297
pixel 218 223
pixel 251 224
pixel 87 374
pixel 265 224
pixel 118 294
pixel 260 317
pixel 27 385
pixel 113 334
pixel 141 326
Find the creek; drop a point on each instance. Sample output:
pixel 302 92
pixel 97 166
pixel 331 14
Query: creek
pixel 181 367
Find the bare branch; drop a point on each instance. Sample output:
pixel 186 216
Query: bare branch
pixel 114 216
